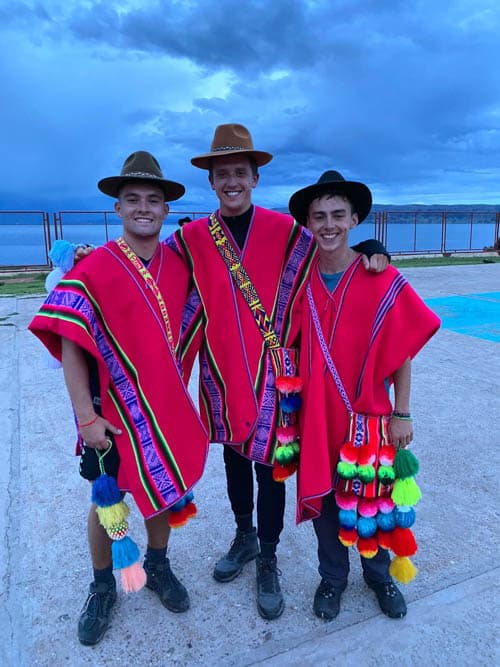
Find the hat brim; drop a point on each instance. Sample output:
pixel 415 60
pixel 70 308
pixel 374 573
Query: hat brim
pixel 111 186
pixel 203 161
pixel 357 193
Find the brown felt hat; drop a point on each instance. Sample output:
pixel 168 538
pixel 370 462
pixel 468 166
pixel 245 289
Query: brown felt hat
pixel 231 139
pixel 141 166
pixel 358 194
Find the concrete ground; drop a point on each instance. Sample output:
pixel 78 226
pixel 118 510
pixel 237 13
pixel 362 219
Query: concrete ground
pixel 452 605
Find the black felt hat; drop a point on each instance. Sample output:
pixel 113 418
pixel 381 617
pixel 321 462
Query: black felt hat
pixel 331 181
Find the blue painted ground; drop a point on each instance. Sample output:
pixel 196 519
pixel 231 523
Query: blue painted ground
pixel 470 314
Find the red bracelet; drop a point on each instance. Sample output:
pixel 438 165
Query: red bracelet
pixel 92 421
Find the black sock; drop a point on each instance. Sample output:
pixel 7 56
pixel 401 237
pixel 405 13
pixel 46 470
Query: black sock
pixel 156 555
pixel 267 549
pixel 244 522
pixel 104 576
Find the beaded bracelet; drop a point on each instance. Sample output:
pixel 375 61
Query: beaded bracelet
pixel 405 416
pixel 92 421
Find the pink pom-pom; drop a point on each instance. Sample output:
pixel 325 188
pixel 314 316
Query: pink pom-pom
pixel 386 455
pixel 349 453
pixel 346 501
pixel 288 384
pixel 385 505
pixel 133 578
pixel 286 434
pixel 366 456
pixel 368 507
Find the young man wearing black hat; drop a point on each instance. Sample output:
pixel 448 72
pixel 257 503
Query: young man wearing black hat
pixel 364 330
pixel 249 265
pixel 114 318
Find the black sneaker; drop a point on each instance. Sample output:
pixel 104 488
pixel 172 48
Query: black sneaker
pixel 390 598
pixel 244 548
pixel 96 613
pixel 269 598
pixel 165 584
pixel 327 600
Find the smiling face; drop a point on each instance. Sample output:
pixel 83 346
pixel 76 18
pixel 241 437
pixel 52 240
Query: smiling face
pixel 330 219
pixel 142 209
pixel 233 180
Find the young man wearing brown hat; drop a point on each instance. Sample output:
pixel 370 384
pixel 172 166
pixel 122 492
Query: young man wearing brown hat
pixel 114 320
pixel 364 330
pixel 249 265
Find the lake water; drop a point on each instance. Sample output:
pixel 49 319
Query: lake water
pixel 23 244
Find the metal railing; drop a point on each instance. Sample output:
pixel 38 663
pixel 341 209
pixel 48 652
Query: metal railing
pixel 27 236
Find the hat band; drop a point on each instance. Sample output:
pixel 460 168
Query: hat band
pixel 231 148
pixel 141 173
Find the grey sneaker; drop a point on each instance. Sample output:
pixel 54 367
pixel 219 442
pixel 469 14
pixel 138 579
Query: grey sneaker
pixel 270 602
pixel 244 548
pixel 96 613
pixel 165 584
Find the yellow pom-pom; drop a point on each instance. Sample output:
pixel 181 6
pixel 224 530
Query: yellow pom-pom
pixel 406 492
pixel 402 569
pixel 112 515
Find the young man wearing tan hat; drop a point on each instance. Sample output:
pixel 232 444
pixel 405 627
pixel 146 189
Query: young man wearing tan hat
pixel 249 265
pixel 115 318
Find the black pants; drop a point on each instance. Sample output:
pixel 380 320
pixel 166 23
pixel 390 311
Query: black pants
pixel 334 556
pixel 270 494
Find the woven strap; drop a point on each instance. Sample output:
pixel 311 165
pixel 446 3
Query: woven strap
pixel 326 352
pixel 242 281
pixel 151 284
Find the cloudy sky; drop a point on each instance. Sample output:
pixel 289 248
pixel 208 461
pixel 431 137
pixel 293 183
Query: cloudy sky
pixel 403 95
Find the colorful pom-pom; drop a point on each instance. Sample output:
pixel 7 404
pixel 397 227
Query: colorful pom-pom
pixel 289 384
pixel 133 578
pixel 349 453
pixel 385 504
pixel 286 434
pixel 406 492
pixel 105 491
pixel 285 454
pixel 191 509
pixel 346 501
pixel 386 475
pixel 384 539
pixel 348 518
pixel 366 456
pixel 346 470
pixel 124 552
pixel 403 542
pixel 347 536
pixel 386 521
pixel 118 531
pixel 110 515
pixel 368 506
pixel 282 473
pixel 178 518
pixel 290 403
pixel 386 455
pixel 405 516
pixel 367 547
pixel 366 473
pixel 367 526
pixel 402 569
pixel 405 464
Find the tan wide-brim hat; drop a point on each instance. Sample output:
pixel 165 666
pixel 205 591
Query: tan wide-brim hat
pixel 231 139
pixel 331 181
pixel 141 166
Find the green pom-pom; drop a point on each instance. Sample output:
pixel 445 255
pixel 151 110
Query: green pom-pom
pixel 296 447
pixel 366 474
pixel 285 454
pixel 406 492
pixel 405 464
pixel 386 474
pixel 346 470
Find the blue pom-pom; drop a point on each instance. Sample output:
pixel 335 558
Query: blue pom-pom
pixel 105 491
pixel 404 516
pixel 62 254
pixel 290 403
pixel 367 526
pixel 189 497
pixel 180 504
pixel 386 521
pixel 125 553
pixel 347 518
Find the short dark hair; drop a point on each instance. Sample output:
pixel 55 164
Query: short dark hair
pixel 332 192
pixel 250 158
pixel 140 181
